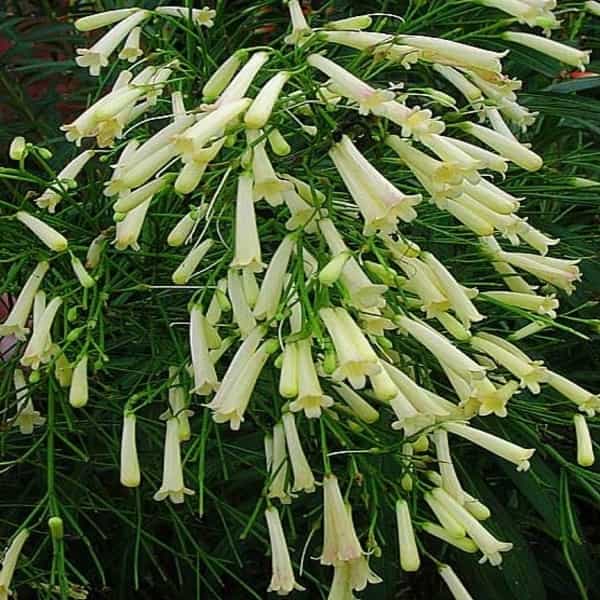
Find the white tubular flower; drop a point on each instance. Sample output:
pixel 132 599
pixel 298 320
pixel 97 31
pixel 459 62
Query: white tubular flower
pixel 454 528
pixel 379 44
pixel 408 418
pixel 261 108
pixel 476 508
pixel 513 281
pixel 182 230
pixel 531 13
pixel 450 480
pixel 446 52
pixel 562 52
pixel 507 450
pixel 132 154
pixel 272 285
pixel 493 400
pixel 9 562
pixel 491 196
pixel 304 480
pixel 247 244
pixel 417 396
pixel 16 321
pixel 456 294
pixel 130 467
pixel 445 352
pixel 239 85
pixel 471 92
pixel 178 405
pixel 380 202
pixel 465 544
pixel 200 16
pixel 487 543
pixel 529 372
pixel 585 448
pixel 210 125
pixel 189 177
pixel 535 238
pixel 172 486
pixel 128 230
pixel 556 271
pixel 311 398
pixel 455 585
pixel 46 234
pixel 102 19
pixel 509 226
pixel 190 263
pixel 288 379
pixel 384 388
pixel 470 219
pixel 363 293
pixel 488 159
pixel 332 271
pixel 453 326
pixel 50 197
pixel 358 405
pixel 219 303
pixel 282 580
pixel 409 554
pixel 367 98
pixel 131 200
pixel 592 7
pixel 448 152
pixel 237 365
pixel 84 278
pixel 78 392
pixel 250 285
pixel 26 418
pixel 415 122
pixel 36 349
pixel 509 148
pixel 341 586
pixel 542 305
pixel 277 465
pixel 97 56
pixel 586 401
pixel 300 28
pixel 351 23
pixel 205 377
pixel 340 542
pixel 18 148
pixel 440 175
pixel 278 143
pixel 356 359
pixel 266 183
pixel 131 51
pixel 231 407
pixel 222 76
pixel 242 314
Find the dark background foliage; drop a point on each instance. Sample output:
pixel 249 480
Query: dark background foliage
pixel 135 547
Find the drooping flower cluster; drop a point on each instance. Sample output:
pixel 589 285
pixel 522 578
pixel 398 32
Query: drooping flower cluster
pixel 314 307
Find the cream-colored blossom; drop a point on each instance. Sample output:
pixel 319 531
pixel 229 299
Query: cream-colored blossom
pixel 26 417
pixel 340 542
pixel 172 485
pixel 304 480
pixel 311 398
pixel 16 322
pixel 130 468
pixel 282 580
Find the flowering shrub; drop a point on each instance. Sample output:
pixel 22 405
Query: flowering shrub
pixel 297 277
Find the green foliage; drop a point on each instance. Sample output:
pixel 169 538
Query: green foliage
pixel 119 542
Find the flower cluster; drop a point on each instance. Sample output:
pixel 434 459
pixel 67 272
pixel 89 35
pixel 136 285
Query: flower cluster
pixel 342 333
